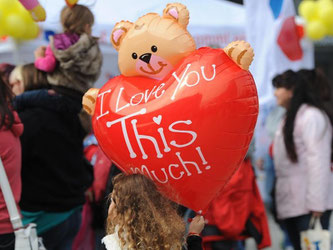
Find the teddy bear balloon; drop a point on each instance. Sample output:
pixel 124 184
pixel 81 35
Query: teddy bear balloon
pixel 180 115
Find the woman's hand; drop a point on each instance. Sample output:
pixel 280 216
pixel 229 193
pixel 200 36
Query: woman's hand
pixel 316 214
pixel 197 225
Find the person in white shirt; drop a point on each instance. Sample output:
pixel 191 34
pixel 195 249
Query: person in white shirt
pixel 302 151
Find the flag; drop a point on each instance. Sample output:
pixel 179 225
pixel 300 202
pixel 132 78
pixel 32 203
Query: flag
pixel 277 40
pixel 279 45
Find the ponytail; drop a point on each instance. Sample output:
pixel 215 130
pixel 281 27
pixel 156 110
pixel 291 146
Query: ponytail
pixel 6 113
pixel 323 85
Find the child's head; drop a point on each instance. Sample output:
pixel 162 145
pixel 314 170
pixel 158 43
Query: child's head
pixel 143 217
pixel 78 19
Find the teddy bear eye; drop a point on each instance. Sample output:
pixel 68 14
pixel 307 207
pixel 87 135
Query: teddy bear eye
pixel 134 56
pixel 153 48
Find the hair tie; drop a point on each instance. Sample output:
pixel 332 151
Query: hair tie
pixel 71 3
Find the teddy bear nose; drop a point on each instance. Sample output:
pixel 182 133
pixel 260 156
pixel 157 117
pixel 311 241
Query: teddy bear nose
pixel 145 57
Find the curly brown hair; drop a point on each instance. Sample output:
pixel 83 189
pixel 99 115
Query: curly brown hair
pixel 145 219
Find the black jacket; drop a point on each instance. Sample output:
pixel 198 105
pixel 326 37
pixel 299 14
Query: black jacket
pixel 55 174
pixel 193 243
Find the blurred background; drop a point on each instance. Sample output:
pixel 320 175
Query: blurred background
pixel 214 23
pixel 323 48
pixel 285 34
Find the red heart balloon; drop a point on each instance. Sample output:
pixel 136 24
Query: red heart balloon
pixel 188 132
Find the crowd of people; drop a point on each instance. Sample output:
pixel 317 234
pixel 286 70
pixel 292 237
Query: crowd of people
pixel 63 182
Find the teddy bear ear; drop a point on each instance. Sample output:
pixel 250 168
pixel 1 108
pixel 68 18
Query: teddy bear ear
pixel 177 11
pixel 119 32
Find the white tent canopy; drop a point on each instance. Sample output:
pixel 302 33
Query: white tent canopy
pixel 221 20
pixel 208 13
pixel 212 23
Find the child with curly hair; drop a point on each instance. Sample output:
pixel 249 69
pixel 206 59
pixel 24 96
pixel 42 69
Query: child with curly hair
pixel 141 218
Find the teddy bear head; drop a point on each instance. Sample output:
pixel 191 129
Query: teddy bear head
pixel 154 44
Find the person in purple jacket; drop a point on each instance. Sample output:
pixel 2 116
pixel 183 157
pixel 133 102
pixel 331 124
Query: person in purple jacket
pixel 73 58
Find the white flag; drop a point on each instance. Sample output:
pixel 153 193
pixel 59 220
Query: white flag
pixel 274 36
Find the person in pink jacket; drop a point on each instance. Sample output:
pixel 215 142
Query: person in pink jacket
pixel 10 153
pixel 302 151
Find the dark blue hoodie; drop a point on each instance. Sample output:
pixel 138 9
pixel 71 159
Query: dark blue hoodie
pixel 55 174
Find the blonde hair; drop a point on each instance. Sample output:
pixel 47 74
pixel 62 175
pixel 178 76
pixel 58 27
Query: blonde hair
pixel 16 74
pixel 145 219
pixel 75 19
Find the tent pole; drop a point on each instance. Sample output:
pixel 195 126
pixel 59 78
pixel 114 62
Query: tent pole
pixel 16 54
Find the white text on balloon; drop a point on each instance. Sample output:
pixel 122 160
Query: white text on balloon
pixel 177 170
pixel 139 137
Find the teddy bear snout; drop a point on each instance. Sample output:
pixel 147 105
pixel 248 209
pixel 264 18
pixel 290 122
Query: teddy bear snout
pixel 145 57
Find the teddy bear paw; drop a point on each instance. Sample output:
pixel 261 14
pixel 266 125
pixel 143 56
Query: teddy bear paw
pixel 241 53
pixel 89 100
